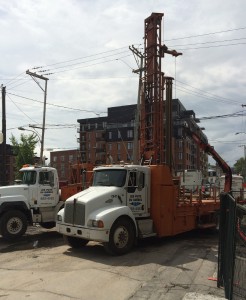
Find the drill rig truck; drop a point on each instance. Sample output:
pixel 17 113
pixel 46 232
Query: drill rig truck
pixel 129 202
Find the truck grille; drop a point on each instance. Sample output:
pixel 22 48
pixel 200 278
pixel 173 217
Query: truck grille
pixel 75 213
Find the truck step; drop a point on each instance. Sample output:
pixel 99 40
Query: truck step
pixel 207 225
pixel 143 236
pixel 146 227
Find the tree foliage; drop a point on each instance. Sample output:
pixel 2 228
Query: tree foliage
pixel 24 150
pixel 240 167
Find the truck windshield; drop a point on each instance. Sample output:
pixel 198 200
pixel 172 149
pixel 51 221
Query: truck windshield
pixel 109 178
pixel 29 177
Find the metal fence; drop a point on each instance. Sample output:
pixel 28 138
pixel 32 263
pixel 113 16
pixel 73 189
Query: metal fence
pixel 232 248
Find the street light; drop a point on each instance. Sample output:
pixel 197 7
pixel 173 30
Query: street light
pixel 39 138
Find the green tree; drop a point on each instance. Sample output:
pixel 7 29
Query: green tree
pixel 240 167
pixel 24 150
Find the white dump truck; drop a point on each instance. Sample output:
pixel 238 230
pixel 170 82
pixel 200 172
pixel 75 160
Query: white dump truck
pixel 35 199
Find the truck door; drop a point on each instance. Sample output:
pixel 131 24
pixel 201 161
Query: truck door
pixel 137 193
pixel 47 189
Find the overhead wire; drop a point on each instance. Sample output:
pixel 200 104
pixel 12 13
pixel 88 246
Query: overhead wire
pixel 208 42
pixel 209 33
pixel 83 57
pixel 56 105
pixel 20 109
pixel 83 62
pixel 66 70
pixel 210 95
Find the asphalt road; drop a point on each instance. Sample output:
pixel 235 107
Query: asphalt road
pixel 40 266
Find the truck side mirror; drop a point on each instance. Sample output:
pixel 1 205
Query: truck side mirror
pixel 140 180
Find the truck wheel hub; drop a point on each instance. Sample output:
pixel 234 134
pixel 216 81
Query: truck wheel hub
pixel 14 225
pixel 121 237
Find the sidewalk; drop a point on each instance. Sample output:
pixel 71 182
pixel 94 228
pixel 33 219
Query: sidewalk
pixel 198 296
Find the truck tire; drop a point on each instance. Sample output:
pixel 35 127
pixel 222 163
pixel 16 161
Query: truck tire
pixel 75 242
pixel 121 237
pixel 13 224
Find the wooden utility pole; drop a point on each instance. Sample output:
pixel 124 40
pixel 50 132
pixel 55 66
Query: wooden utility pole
pixel 44 111
pixel 140 70
pixel 3 180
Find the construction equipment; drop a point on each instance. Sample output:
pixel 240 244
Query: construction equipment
pixel 128 202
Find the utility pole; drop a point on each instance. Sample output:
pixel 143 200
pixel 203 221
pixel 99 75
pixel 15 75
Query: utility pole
pixel 3 164
pixel 33 75
pixel 137 115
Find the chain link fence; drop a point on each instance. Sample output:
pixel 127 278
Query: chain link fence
pixel 232 248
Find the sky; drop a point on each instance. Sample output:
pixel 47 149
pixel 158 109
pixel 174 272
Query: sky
pixel 82 47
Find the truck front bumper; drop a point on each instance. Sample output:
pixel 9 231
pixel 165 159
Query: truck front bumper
pixel 92 234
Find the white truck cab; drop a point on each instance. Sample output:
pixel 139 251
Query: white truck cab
pixel 110 211
pixel 34 200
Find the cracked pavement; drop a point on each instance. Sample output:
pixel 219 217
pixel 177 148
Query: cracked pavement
pixel 41 266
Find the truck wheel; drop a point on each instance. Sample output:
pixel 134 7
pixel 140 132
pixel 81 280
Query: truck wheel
pixel 13 224
pixel 121 237
pixel 48 225
pixel 75 242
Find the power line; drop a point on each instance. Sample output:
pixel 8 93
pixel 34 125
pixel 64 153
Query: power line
pixel 208 42
pixel 56 105
pixel 83 57
pixel 190 92
pixel 215 46
pixel 236 114
pixel 210 95
pixel 20 109
pixel 209 33
pixel 115 59
pixel 79 63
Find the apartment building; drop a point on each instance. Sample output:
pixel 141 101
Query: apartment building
pixel 114 135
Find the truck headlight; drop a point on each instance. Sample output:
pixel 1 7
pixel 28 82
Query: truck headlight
pixel 96 223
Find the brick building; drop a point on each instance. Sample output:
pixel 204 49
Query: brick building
pixel 186 154
pixel 61 160
pixel 114 134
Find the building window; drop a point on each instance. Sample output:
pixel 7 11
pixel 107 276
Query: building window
pixel 118 146
pixel 119 134
pixel 89 136
pixel 62 158
pixel 55 158
pixel 70 157
pixel 130 133
pixel 104 124
pixel 110 135
pixel 129 146
pixel 180 144
pixel 119 157
pixel 110 147
pixel 129 157
pixel 95 125
pixel 180 155
pixel 89 126
pixel 62 173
